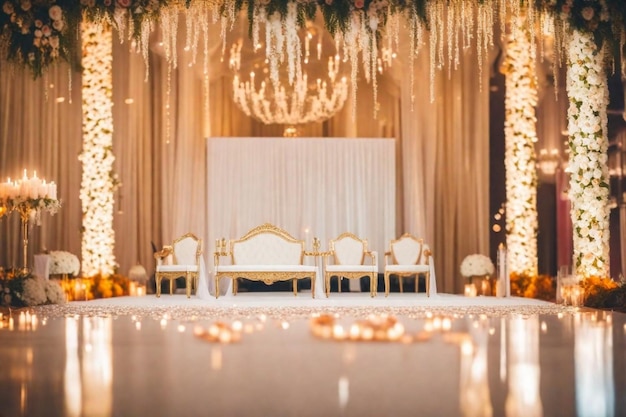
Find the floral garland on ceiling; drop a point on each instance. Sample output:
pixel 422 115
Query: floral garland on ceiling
pixel 587 89
pixel 36 33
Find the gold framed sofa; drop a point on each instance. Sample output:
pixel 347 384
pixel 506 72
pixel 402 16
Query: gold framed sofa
pixel 266 253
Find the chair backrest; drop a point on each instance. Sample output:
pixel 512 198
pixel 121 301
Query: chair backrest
pixel 408 250
pixel 267 245
pixel 187 249
pixel 348 249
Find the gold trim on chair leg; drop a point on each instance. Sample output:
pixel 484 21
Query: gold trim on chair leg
pixel 387 284
pixel 427 277
pixel 373 285
pixel 217 285
pixel 401 283
pixel 158 280
pixel 188 284
pixel 294 285
pixel 327 283
pixel 171 286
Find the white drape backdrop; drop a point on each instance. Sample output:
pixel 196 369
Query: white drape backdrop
pixel 310 187
pixel 441 152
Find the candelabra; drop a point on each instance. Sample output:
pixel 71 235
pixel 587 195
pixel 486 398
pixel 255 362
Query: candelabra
pixel 29 197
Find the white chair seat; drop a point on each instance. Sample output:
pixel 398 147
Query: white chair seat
pixel 265 268
pixel 407 268
pixel 350 268
pixel 177 268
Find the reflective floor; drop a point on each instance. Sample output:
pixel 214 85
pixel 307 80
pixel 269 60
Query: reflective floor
pixel 433 364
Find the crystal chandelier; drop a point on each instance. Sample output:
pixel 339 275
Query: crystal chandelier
pixel 291 101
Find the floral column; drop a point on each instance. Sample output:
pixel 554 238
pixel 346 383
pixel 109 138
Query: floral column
pixel 520 137
pixel 588 143
pixel 98 185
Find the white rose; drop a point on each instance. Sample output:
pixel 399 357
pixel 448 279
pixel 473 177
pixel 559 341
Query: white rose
pixel 55 13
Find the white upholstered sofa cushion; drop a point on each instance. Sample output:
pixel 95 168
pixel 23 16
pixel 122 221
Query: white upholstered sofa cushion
pixel 267 249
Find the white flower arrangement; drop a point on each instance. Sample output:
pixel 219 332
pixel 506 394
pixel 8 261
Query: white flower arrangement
pixel 587 90
pixel 476 265
pixel 28 290
pixel 520 137
pixel 62 263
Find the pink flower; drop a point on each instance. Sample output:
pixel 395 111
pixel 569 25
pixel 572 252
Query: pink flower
pixel 46 30
pixel 123 3
pixel 359 4
pixel 7 7
pixel 329 2
pixel 107 3
pixel 58 25
pixel 588 13
pixel 55 13
pixel 38 33
pixel 38 23
pixel 26 5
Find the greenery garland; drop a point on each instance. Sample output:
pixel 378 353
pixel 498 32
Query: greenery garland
pixel 37 33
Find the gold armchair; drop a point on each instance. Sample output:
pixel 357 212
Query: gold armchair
pixel 185 254
pixel 409 257
pixel 348 253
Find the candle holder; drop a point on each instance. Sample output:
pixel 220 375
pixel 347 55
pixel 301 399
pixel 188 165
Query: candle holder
pixel 29 197
pixel 25 212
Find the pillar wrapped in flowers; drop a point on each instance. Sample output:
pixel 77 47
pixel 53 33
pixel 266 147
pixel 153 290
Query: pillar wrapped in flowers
pixel 588 143
pixel 520 137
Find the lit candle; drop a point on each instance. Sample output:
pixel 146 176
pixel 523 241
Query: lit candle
pixel 470 290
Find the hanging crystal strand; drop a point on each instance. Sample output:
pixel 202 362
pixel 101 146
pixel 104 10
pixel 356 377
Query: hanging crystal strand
pixel 440 36
pixel 196 17
pixel 502 15
pixel 559 33
pixel 146 30
pixel 273 45
pixel 469 24
pixel 120 17
pixel 223 26
pixel 479 45
pixel 294 45
pixel 258 16
pixel 432 18
pixel 450 35
pixel 352 45
pixel 374 48
pixel 190 21
pixel 169 26
pixel 168 94
pixel 413 40
pixel 458 27
pixel 365 45
pixel 532 23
